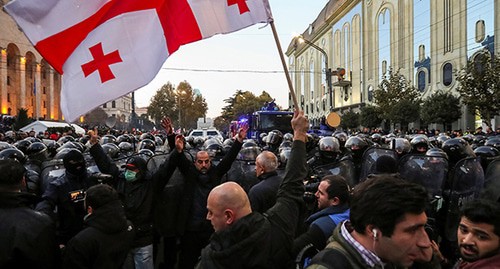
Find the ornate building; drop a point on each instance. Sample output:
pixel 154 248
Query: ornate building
pixel 427 41
pixel 26 80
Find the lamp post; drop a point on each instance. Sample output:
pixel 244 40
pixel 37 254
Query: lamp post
pixel 328 71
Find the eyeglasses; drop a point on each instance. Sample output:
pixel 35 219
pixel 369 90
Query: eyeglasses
pixel 202 161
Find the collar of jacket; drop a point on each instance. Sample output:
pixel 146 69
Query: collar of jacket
pixel 268 175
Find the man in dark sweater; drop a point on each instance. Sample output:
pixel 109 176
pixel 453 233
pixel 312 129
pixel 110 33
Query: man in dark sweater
pixel 247 239
pixel 263 194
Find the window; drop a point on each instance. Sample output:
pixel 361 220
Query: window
pixel 370 93
pixel 44 90
pixel 421 81
pixel 105 105
pixel 447 74
pixel 8 80
pixel 113 104
pixel 44 104
pixel 8 97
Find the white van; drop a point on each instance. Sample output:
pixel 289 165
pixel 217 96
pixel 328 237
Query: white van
pixel 206 133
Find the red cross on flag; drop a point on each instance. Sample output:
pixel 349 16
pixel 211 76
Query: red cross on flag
pixel 107 48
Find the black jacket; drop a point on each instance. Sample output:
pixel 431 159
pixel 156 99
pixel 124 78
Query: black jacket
pixel 27 237
pixel 70 211
pixel 193 206
pixel 137 196
pixel 263 194
pixel 263 240
pixel 104 244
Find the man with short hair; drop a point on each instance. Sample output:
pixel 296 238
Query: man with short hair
pixel 333 208
pixel 247 239
pixel 479 235
pixel 200 178
pixel 108 237
pixel 263 194
pixel 386 228
pixel 27 237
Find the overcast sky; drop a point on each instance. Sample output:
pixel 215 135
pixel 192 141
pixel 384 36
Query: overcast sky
pixel 211 65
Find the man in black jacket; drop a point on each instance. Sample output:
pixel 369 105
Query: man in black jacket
pixel 247 239
pixel 138 188
pixel 263 194
pixel 200 178
pixel 106 241
pixel 27 237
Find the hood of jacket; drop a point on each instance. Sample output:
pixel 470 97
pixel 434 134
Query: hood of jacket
pixel 109 218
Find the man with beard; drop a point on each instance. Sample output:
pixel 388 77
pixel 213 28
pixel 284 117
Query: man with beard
pixel 200 178
pixel 479 235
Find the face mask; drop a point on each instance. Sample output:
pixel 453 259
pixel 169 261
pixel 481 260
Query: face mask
pixel 130 175
pixel 77 168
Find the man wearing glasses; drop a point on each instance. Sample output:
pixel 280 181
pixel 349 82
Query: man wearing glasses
pixel 200 178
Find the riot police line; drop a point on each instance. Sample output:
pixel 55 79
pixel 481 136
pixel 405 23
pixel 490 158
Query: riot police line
pixel 453 170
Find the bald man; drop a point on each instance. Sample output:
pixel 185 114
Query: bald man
pixel 263 194
pixel 247 239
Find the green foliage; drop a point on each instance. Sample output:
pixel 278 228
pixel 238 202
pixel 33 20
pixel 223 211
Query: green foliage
pixel 397 100
pixel 96 117
pixel 479 86
pixel 441 108
pixel 21 119
pixel 349 120
pixel 180 104
pixel 370 117
pixel 242 103
pixel 221 124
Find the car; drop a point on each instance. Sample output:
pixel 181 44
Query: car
pixel 206 133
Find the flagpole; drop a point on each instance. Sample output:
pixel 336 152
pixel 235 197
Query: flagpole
pixel 283 62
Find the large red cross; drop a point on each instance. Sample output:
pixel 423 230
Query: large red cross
pixel 242 5
pixel 101 63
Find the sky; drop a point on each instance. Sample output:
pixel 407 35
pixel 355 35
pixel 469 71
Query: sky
pixel 210 65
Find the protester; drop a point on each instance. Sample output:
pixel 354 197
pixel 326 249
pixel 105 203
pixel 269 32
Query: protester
pixel 386 228
pixel 27 237
pixel 108 237
pixel 333 208
pixel 479 235
pixel 247 239
pixel 262 195
pixel 200 178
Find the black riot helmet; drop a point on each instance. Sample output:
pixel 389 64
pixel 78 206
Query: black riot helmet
pixel 13 153
pixel 37 151
pixel 106 139
pixel 436 152
pixel 111 149
pixel 22 145
pixel 329 147
pixel 341 137
pixel 493 142
pixel 65 139
pixel 147 144
pixel 486 154
pixel 419 144
pixel 457 149
pixel 146 136
pixel 274 137
pixel 4 145
pixel 401 146
pixel 357 145
pixel 213 146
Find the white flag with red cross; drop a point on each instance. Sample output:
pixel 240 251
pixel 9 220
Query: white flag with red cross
pixel 107 48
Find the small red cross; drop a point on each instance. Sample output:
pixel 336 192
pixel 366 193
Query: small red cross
pixel 242 5
pixel 101 63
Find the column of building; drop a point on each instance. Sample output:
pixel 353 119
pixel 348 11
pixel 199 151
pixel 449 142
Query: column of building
pixel 3 81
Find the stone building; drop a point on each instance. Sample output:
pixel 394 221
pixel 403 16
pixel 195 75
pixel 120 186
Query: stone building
pixel 26 80
pixel 427 41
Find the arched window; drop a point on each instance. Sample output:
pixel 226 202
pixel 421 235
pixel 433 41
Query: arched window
pixel 113 104
pixel 370 93
pixel 447 74
pixel 312 76
pixel 421 80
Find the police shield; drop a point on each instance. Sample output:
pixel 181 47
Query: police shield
pixel 426 171
pixel 155 162
pixel 344 168
pixel 492 182
pixel 243 173
pixel 370 157
pixel 467 180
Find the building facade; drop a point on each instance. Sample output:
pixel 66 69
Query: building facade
pixel 427 41
pixel 27 81
pixel 120 108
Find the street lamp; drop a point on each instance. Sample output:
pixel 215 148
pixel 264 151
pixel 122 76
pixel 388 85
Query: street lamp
pixel 328 71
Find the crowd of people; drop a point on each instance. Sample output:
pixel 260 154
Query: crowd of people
pixel 162 200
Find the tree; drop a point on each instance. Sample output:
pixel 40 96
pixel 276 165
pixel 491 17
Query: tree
pixel 395 94
pixel 163 103
pixel 369 116
pixel 180 104
pixel 221 124
pixel 479 85
pixel 441 108
pixel 96 117
pixel 21 119
pixel 349 120
pixel 243 103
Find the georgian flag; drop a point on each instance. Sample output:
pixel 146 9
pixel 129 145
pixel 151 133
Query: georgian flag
pixel 107 48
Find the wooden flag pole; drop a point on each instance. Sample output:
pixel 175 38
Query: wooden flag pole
pixel 287 74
